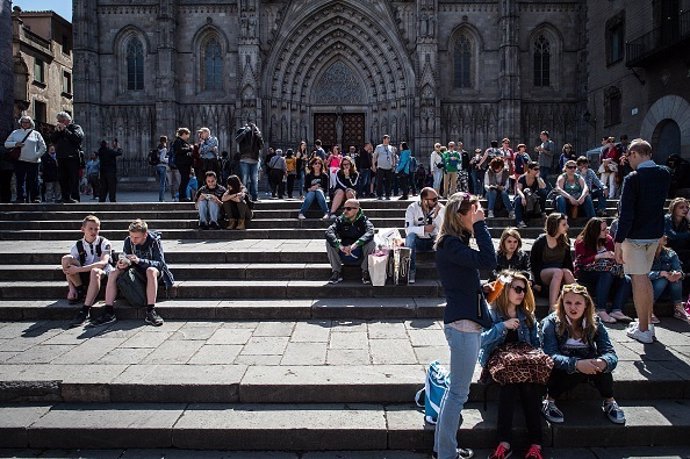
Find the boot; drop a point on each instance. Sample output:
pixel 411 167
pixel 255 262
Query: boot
pixel 232 223
pixel 240 224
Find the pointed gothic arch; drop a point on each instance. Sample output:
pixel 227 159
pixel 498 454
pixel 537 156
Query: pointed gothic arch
pixel 545 51
pixel 131 50
pixel 210 47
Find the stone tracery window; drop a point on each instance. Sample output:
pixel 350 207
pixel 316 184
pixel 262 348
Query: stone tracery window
pixel 135 64
pixel 462 62
pixel 542 61
pixel 212 66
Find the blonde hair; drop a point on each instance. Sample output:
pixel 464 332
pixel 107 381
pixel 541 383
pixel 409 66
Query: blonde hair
pixel 91 218
pixel 509 232
pixel 528 305
pixel 182 131
pixel 674 202
pixel 589 316
pixel 458 203
pixel 138 226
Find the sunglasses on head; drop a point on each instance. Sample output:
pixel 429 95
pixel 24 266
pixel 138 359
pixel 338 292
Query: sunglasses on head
pixel 574 288
pixel 350 208
pixel 518 289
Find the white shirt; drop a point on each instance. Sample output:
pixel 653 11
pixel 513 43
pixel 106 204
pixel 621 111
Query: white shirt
pixel 91 252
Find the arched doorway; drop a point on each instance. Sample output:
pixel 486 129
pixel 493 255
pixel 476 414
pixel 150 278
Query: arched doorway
pixel 666 140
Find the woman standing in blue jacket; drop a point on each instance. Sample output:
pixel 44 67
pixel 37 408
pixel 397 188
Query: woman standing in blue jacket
pixel 466 313
pixel 403 170
pixel 581 350
pixel 514 322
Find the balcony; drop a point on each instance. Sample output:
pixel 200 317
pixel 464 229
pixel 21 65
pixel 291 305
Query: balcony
pixel 649 47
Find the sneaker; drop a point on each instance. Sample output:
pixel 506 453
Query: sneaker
pixel 551 412
pixel 534 452
pixel 644 337
pixel 301 217
pixel 203 226
pixel 511 214
pixel 152 318
pixel 411 279
pixel 77 299
pixel 325 217
pixel 654 320
pixel 336 278
pixel 522 225
pixel 613 412
pixel 620 316
pixel 501 452
pixel 606 318
pixel 214 226
pixel 81 318
pixel 463 453
pixel 680 313
pixel 491 214
pixel 104 319
pixel 366 280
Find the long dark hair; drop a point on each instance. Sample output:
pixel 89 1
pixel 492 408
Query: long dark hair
pixel 234 184
pixel 551 227
pixel 591 233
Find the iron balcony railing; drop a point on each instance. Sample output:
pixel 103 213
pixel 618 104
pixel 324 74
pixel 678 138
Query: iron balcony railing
pixel 659 39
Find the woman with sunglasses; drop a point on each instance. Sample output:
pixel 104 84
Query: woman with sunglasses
pixel 529 185
pixel 573 191
pixel 581 350
pixel 550 257
pixel 513 320
pixel 466 313
pixel 345 184
pixel 597 269
pixel 315 187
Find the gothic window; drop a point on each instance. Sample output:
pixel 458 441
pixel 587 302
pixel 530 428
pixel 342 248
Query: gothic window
pixel 135 64
pixel 462 62
pixel 612 106
pixel 615 38
pixel 212 66
pixel 542 61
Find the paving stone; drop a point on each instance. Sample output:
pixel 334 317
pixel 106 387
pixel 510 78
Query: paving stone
pixel 422 324
pixel 109 426
pixel 5 356
pixel 348 357
pixel 173 352
pixel 258 360
pixel 192 331
pixel 89 351
pixel 260 427
pixel 14 423
pixel 427 337
pixel 244 325
pixel 274 329
pixel 304 354
pixel 41 354
pixel 216 354
pixel 230 336
pixel 352 340
pixel 311 332
pixel 386 330
pixel 81 454
pixel 265 346
pixel 391 352
pixel 73 336
pixel 168 326
pixel 348 326
pixel 142 339
pixel 324 384
pixel 125 356
pixel 427 354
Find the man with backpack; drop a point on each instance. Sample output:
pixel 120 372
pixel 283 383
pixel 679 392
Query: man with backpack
pixel 85 266
pixel 139 270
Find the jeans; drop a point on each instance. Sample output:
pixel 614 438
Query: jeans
pixel 68 175
pixel 674 289
pixel 173 176
pixel 209 212
pixel 520 209
pixel 562 381
pixel 415 243
pixel 108 186
pixel 336 258
pixel 27 172
pixel 363 183
pixel 384 182
pixel 563 206
pixel 250 178
pixel 162 171
pixel 491 196
pixel 464 350
pixel 438 175
pixel 299 183
pixel 598 194
pixel 309 199
pixel 477 176
pixel 602 283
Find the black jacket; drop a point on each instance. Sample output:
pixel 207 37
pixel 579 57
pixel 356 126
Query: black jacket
pixel 250 142
pixel 108 158
pixel 49 168
pixel 345 232
pixel 180 154
pixel 150 254
pixel 642 203
pixel 536 258
pixel 68 142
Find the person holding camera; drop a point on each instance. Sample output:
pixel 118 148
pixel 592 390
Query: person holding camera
pixel 67 139
pixel 423 220
pixel 209 202
pixel 182 159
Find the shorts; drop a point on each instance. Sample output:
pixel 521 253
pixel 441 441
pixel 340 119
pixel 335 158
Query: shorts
pixel 638 258
pixel 86 278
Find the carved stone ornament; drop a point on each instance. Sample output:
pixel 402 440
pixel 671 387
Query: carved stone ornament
pixel 339 85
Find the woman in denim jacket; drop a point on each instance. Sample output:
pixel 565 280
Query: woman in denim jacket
pixel 581 350
pixel 667 277
pixel 514 321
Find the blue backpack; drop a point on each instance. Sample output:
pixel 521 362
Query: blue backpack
pixel 436 384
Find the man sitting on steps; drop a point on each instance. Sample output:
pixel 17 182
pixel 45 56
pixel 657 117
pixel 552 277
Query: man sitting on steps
pixel 350 239
pixel 423 219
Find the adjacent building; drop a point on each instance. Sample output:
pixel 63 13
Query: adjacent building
pixel 6 80
pixel 42 60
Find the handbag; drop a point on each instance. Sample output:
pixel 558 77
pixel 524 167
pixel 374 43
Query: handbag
pixel 516 363
pixel 131 285
pixel 605 265
pixel 436 384
pixel 16 152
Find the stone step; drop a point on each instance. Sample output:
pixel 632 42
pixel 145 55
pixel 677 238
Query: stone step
pixel 316 427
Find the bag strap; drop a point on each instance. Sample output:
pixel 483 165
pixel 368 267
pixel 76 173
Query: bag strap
pixel 82 252
pixel 419 398
pixel 27 135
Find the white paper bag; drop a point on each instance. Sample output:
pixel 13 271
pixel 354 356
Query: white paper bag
pixel 378 266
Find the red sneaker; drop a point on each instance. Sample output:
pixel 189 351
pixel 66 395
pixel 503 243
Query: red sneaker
pixel 501 452
pixel 534 452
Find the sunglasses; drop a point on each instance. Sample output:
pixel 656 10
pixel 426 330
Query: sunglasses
pixel 570 167
pixel 574 288
pixel 518 289
pixel 350 208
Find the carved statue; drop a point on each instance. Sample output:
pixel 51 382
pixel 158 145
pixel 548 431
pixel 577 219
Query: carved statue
pixel 339 129
pixel 252 27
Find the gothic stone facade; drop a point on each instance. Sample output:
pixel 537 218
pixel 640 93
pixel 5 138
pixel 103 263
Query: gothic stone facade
pixel 346 71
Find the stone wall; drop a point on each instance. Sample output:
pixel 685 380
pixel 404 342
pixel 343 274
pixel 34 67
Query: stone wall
pixel 6 73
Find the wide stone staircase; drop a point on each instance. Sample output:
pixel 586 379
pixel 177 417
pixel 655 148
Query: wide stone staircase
pixel 258 352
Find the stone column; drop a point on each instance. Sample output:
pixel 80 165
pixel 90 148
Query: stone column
pixel 509 105
pixel 166 98
pixel 249 107
pixel 427 116
pixel 6 70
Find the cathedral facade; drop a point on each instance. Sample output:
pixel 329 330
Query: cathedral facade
pixel 344 71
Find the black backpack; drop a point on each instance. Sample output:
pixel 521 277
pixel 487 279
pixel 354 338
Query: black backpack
pixel 154 158
pixel 99 251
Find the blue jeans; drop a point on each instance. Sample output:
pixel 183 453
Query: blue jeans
pixel 602 284
pixel 464 350
pixel 415 243
pixel 673 289
pixel 209 212
pixel 491 196
pixel 309 199
pixel 438 175
pixel 598 194
pixel 162 171
pixel 250 178
pixel 364 182
pixel 299 182
pixel 477 177
pixel 27 172
pixel 562 205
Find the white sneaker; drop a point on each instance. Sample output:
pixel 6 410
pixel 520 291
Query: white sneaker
pixel 325 217
pixel 644 337
pixel 491 214
pixel 511 214
pixel 301 217
pixel 680 313
pixel 522 225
